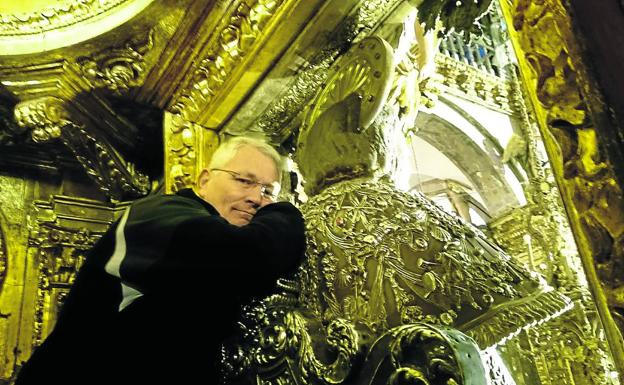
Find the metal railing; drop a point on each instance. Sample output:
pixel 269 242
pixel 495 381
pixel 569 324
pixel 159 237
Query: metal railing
pixel 482 51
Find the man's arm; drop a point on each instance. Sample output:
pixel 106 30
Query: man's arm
pixel 180 243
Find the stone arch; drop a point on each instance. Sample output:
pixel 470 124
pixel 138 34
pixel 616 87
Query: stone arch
pixel 470 158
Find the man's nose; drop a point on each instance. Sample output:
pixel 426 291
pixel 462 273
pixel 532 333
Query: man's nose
pixel 255 195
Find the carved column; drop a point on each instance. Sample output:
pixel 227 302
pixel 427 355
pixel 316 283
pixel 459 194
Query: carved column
pixel 570 116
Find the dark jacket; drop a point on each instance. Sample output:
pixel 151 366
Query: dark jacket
pixel 184 272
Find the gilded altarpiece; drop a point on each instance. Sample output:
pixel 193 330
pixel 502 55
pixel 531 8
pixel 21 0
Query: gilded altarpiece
pixel 568 108
pixel 380 261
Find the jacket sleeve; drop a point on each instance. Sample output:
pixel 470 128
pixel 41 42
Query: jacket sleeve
pixel 184 245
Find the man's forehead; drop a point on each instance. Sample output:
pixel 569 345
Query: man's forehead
pixel 253 163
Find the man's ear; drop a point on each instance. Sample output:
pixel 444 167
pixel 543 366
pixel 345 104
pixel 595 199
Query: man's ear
pixel 204 177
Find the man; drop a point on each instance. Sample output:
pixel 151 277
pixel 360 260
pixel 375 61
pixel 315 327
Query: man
pixel 163 287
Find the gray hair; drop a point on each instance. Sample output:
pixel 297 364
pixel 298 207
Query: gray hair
pixel 228 149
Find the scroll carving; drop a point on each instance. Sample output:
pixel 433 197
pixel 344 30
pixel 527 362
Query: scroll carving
pixel 52 118
pixel 235 39
pixel 280 343
pixel 118 68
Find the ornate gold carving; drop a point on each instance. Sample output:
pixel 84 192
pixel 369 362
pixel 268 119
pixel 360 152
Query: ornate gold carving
pixel 234 41
pixel 118 68
pixel 279 119
pixel 115 176
pixel 46 117
pixel 277 342
pixel 52 118
pixel 188 150
pixel 53 17
pixel 363 71
pixel 274 122
pixel 383 258
pixel 433 354
pixel 371 13
pixel 59 239
pixel 573 347
pixel 558 84
pixel 471 83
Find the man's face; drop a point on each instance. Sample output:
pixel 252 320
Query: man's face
pixel 233 200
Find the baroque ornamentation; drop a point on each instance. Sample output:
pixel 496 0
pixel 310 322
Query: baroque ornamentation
pixel 558 85
pixel 115 176
pixel 181 152
pixel 52 118
pixel 571 349
pixel 119 68
pixel 59 245
pixel 363 71
pixel 234 41
pixel 370 13
pixel 279 342
pixel 472 83
pixel 280 118
pixel 573 346
pixel 276 344
pixel 45 117
pixel 383 258
pixel 275 121
pixel 62 15
pixel 189 147
pixel 420 352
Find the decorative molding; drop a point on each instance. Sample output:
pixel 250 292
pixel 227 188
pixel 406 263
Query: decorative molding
pixel 44 117
pixel 279 119
pixel 470 83
pixel 573 347
pixel 560 88
pixel 54 17
pixel 382 258
pixel 59 239
pixel 369 14
pixel 188 147
pixel 279 343
pixel 245 25
pixel 366 71
pixel 52 118
pixel 275 120
pixel 118 68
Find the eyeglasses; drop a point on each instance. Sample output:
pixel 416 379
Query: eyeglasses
pixel 268 191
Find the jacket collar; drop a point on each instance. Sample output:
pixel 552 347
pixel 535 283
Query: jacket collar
pixel 189 193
